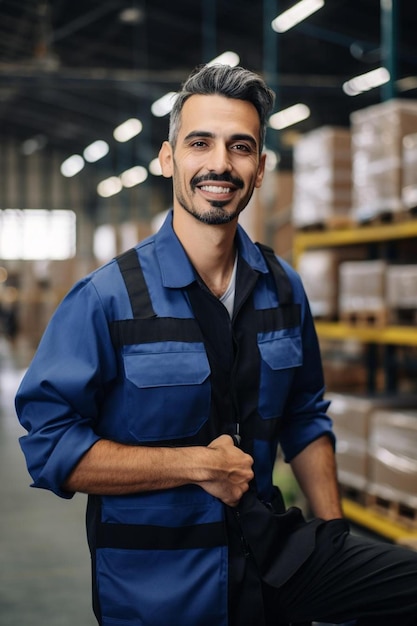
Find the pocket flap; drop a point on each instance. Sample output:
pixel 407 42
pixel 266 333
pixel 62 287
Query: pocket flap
pixel 282 353
pixel 168 368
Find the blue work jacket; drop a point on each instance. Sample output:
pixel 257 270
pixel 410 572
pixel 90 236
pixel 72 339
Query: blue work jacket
pixel 126 357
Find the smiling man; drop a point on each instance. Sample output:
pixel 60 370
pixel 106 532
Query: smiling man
pixel 165 382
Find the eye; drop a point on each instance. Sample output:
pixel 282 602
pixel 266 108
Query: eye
pixel 199 144
pixel 241 147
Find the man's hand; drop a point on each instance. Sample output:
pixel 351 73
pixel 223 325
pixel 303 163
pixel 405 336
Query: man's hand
pixel 110 468
pixel 230 471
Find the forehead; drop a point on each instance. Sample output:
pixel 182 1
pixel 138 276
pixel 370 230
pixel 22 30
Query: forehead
pixel 219 115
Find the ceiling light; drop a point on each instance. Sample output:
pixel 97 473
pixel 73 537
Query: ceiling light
pixel 129 129
pixel 288 117
pixel 155 167
pixel 163 105
pixel 272 160
pixel 134 176
pixel 109 187
pixel 96 150
pixel 407 83
pixel 296 14
pixel 71 166
pixel 367 81
pixel 34 144
pixel 131 15
pixel 227 58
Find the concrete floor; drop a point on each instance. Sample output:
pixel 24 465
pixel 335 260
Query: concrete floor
pixel 45 565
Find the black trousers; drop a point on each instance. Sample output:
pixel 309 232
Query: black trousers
pixel 348 577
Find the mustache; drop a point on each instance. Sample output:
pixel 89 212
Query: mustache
pixel 225 178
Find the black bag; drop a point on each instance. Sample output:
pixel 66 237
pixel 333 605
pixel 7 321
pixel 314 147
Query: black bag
pixel 279 540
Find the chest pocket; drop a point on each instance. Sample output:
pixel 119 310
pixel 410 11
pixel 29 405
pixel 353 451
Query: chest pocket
pixel 168 389
pixel 280 354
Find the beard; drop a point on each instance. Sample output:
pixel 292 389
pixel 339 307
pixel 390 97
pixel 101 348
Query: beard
pixel 217 214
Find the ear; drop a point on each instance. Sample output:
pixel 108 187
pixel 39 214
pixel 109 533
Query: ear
pixel 166 159
pixel 261 171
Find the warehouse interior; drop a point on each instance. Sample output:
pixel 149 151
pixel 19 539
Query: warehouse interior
pixel 81 123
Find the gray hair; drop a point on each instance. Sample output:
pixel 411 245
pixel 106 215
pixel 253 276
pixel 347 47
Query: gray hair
pixel 223 80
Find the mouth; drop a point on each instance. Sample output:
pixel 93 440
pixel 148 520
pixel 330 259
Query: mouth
pixel 217 190
pixel 221 188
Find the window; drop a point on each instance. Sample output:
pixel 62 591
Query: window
pixel 32 234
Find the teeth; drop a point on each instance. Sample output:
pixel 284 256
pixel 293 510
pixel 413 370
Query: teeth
pixel 215 189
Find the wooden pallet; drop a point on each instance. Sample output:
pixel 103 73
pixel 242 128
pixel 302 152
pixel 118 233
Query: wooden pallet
pixel 353 494
pixel 402 317
pixel 333 222
pixel 399 512
pixel 387 217
pixel 377 318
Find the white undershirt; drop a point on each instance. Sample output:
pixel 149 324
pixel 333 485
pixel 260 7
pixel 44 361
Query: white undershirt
pixel 228 298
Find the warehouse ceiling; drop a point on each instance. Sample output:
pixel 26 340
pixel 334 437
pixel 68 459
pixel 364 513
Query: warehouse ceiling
pixel 71 71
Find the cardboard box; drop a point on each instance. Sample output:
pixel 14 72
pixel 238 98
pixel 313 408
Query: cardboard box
pixel 377 156
pixel 322 176
pixel 354 426
pixel 393 456
pixel 409 182
pixel 362 286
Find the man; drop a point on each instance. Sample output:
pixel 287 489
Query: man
pixel 162 387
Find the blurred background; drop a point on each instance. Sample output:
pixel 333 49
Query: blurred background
pixel 85 93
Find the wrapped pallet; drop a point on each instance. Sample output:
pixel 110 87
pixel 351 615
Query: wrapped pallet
pixel 318 270
pixel 322 177
pixel 353 417
pixel 362 291
pixel 409 183
pixel 401 293
pixel 393 457
pixel 377 145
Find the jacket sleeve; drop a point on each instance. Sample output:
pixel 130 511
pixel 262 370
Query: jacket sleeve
pixel 305 417
pixel 59 397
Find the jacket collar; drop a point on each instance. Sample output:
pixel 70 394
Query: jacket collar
pixel 176 269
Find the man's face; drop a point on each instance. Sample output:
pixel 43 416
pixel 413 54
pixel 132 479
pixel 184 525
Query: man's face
pixel 216 163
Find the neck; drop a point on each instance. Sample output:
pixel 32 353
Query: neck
pixel 210 249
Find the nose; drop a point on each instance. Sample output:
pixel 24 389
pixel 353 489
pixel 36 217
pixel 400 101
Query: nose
pixel 219 160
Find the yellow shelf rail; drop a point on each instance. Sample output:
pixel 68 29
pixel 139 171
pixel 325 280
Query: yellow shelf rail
pixel 350 236
pixel 373 521
pixel 393 335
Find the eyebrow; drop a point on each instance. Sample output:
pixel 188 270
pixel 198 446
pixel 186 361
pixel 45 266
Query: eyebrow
pixel 236 137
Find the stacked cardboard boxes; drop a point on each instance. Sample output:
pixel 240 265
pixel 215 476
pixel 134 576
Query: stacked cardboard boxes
pixel 322 177
pixel 409 188
pixel 376 444
pixel 393 457
pixel 377 157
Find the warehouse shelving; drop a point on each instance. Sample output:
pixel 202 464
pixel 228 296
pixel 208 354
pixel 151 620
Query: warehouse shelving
pixel 358 235
pixel 406 229
pixel 389 336
pixel 379 524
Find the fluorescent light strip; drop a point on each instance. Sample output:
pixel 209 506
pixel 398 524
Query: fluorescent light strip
pixel 296 14
pixel 366 82
pixel 129 129
pixel 289 117
pixel 164 104
pixel 109 187
pixel 71 166
pixel 227 58
pixel 96 150
pixel 134 176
